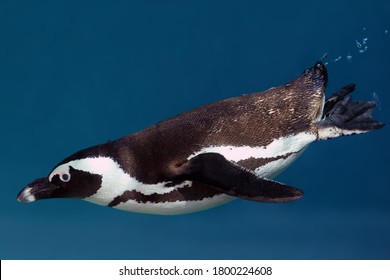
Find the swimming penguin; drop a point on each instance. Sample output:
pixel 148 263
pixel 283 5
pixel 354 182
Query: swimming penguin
pixel 210 155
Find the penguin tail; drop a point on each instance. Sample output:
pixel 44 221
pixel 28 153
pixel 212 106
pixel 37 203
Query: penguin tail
pixel 342 116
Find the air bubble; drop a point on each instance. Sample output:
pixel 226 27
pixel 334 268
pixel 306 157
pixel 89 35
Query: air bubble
pixel 338 59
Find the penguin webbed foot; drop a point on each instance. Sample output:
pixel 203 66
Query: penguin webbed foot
pixel 342 116
pixel 336 97
pixel 227 177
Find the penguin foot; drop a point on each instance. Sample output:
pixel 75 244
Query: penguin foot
pixel 336 97
pixel 342 116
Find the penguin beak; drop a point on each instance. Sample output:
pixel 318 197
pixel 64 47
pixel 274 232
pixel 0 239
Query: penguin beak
pixel 39 189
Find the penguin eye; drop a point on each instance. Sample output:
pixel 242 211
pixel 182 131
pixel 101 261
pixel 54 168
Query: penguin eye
pixel 65 177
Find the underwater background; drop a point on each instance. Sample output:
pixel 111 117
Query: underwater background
pixel 78 73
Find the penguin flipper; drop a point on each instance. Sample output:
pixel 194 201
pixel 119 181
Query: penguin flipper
pixel 232 179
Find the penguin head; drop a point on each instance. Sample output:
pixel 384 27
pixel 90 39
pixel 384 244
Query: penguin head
pixel 66 180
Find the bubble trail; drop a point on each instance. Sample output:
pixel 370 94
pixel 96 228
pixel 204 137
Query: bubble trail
pixel 376 98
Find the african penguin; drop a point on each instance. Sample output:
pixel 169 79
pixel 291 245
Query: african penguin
pixel 210 155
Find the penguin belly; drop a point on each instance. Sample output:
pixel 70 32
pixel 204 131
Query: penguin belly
pixel 188 196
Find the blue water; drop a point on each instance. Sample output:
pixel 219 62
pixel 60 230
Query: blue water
pixel 78 73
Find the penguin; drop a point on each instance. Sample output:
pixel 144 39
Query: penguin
pixel 210 155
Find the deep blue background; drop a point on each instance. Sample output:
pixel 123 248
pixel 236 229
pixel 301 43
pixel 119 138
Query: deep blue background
pixel 77 73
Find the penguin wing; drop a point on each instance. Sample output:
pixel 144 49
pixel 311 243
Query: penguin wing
pixel 232 179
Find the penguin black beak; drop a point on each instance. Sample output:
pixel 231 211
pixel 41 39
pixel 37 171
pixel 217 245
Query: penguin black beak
pixel 39 189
